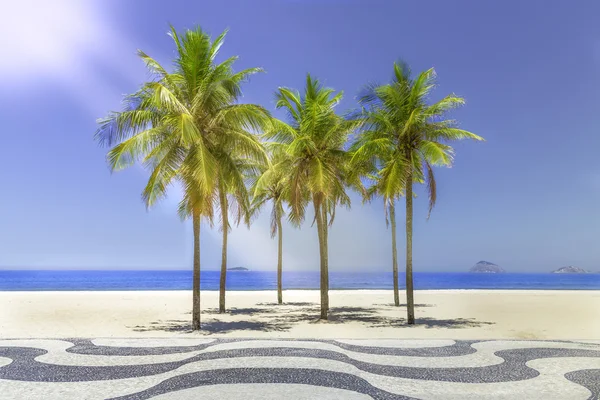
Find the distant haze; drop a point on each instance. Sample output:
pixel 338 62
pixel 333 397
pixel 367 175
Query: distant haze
pixel 526 199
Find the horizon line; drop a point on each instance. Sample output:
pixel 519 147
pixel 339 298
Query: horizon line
pixel 316 270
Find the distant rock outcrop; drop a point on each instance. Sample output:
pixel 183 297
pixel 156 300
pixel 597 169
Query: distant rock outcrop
pixel 486 267
pixel 238 269
pixel 570 270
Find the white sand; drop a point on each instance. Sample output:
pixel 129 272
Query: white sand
pixel 448 314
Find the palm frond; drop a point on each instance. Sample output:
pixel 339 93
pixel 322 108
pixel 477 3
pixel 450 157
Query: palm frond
pixel 133 149
pixel 431 188
pixel 162 176
pixel 436 153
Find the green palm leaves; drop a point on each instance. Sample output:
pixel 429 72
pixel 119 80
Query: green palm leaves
pixel 186 126
pixel 403 138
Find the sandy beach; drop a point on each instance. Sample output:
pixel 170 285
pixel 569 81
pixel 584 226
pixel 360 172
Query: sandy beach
pixel 447 314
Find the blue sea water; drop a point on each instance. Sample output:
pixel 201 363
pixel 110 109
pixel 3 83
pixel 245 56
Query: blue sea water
pixel 265 280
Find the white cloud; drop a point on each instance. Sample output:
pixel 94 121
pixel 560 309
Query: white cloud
pixel 43 36
pixel 65 43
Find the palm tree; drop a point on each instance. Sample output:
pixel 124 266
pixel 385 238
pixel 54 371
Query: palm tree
pixel 314 141
pixel 404 137
pixel 272 186
pixel 182 125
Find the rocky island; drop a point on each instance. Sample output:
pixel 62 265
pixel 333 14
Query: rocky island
pixel 238 269
pixel 570 270
pixel 486 267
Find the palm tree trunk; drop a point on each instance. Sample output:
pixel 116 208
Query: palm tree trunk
pixel 279 261
pixel 394 253
pixel 326 246
pixel 324 292
pixel 410 303
pixel 196 283
pixel 223 281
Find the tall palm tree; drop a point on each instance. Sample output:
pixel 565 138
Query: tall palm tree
pixel 404 137
pixel 273 186
pixel 314 141
pixel 182 126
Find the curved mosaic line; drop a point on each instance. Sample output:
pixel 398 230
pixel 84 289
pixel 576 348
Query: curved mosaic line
pixel 458 348
pixel 24 367
pixel 132 367
pixel 423 348
pixel 245 391
pixel 149 343
pixel 590 379
pixel 233 376
pixel 91 347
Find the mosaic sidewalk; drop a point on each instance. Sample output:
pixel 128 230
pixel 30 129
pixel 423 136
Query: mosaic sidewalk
pixel 298 369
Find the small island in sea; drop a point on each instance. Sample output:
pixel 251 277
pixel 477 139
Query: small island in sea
pixel 238 269
pixel 486 267
pixel 570 270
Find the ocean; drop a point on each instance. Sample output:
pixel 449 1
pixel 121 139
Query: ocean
pixel 267 280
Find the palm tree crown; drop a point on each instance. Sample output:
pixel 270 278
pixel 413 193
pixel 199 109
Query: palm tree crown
pixel 314 139
pixel 185 123
pixel 404 135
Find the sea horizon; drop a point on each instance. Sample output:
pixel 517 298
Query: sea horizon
pixel 255 280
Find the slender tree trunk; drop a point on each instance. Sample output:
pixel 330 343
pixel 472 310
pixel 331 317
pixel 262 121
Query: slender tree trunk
pixel 279 262
pixel 223 281
pixel 326 246
pixel 410 303
pixel 196 283
pixel 394 253
pixel 324 292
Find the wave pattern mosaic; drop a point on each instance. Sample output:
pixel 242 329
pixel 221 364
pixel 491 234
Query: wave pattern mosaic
pixel 293 369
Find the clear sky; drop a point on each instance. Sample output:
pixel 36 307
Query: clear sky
pixel 526 199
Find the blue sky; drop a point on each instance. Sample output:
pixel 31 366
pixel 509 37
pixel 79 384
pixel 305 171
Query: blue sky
pixel 526 199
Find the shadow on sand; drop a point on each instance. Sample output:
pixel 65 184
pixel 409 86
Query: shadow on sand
pixel 281 318
pixel 455 323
